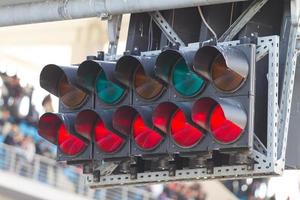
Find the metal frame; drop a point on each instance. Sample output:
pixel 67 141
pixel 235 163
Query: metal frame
pixel 243 19
pixel 166 28
pixel 45 171
pixel 266 157
pixel 289 77
pixel 56 10
pixel 114 23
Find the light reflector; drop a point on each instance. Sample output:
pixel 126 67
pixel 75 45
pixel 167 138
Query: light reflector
pixel 145 86
pixel 223 130
pixel 106 140
pixel 183 133
pixel 223 77
pixel 107 91
pixel 68 143
pixel 145 137
pixel 90 124
pixel 53 128
pixel 185 81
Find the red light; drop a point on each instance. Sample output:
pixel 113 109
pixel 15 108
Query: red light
pixel 84 123
pixel 201 111
pixel 106 140
pixel 222 129
pixel 47 127
pixel 161 122
pixel 69 144
pixel 183 133
pixel 145 137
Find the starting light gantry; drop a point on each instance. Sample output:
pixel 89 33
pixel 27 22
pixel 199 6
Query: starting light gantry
pixel 179 114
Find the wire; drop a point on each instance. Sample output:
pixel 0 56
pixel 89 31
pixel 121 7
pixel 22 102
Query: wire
pixel 150 35
pixel 206 24
pixel 172 23
pixel 231 14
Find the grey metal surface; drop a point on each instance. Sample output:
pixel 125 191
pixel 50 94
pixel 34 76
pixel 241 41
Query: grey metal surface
pixel 166 28
pixel 244 18
pixel 48 172
pixel 113 27
pixel 13 2
pixel 288 81
pixel 56 10
pixel 293 147
pixel 265 156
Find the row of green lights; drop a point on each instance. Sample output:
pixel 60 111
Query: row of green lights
pixel 185 82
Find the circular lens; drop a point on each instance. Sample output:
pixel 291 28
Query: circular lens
pixel 69 144
pixel 107 91
pixel 222 129
pixel 70 96
pixel 145 137
pixel 106 140
pixel 146 87
pixel 186 82
pixel 223 77
pixel 183 133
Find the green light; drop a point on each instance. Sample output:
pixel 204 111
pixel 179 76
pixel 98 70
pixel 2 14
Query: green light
pixel 107 91
pixel 186 82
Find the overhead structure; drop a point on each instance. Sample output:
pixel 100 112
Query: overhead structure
pixel 210 98
pixel 188 110
pixel 39 11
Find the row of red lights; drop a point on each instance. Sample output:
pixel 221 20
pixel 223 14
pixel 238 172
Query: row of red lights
pixel 167 119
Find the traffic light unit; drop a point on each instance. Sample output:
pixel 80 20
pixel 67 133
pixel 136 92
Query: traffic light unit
pixel 185 108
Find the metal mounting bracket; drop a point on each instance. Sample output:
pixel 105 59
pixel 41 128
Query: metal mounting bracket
pixel 288 81
pixel 265 157
pixel 113 28
pixel 243 19
pixel 166 28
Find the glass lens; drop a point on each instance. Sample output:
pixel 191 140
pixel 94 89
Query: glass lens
pixel 223 77
pixel 71 96
pixel 201 111
pixel 145 137
pixel 106 140
pixel 146 87
pixel 107 91
pixel 47 127
pixel 222 129
pixel 69 144
pixel 186 82
pixel 183 133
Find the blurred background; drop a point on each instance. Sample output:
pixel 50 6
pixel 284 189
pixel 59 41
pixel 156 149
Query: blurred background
pixel 28 169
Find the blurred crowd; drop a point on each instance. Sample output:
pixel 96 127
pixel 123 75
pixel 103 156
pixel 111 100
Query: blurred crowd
pixel 18 128
pixel 182 191
pixel 19 118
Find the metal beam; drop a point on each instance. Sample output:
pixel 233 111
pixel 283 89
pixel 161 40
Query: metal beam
pixel 56 10
pixel 166 28
pixel 243 19
pixel 14 2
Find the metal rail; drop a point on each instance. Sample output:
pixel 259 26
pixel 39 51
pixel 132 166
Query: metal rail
pixel 49 172
pixel 56 10
pixel 265 157
pixel 166 28
pixel 244 18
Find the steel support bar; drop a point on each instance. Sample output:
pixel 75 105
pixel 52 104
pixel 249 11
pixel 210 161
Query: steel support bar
pixel 298 40
pixel 243 19
pixel 14 2
pixel 114 28
pixel 289 77
pixel 56 10
pixel 166 28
